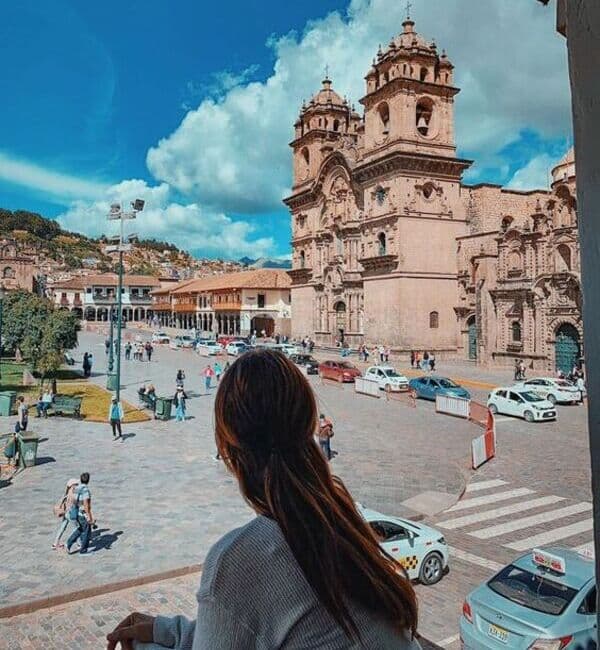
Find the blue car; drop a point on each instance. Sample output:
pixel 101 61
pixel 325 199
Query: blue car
pixel 429 386
pixel 544 600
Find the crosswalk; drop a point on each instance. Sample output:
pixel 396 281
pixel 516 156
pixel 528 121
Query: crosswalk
pixel 519 518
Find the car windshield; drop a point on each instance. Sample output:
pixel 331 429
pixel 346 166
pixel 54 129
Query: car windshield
pixel 347 366
pixel 564 384
pixel 391 373
pixel 533 591
pixel 447 383
pixel 531 397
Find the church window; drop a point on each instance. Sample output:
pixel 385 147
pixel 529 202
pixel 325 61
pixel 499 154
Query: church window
pixel 382 244
pixel 506 223
pixel 516 331
pixel 515 263
pixel 306 155
pixel 563 258
pixel 380 195
pixel 384 116
pixel 320 122
pixel 336 125
pixel 302 259
pixel 8 272
pixel 424 116
pixel 428 190
pixel 424 73
pixel 434 320
pixel 404 69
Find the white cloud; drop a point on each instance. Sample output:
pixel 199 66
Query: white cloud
pixel 46 181
pixel 190 226
pixel 231 151
pixel 535 174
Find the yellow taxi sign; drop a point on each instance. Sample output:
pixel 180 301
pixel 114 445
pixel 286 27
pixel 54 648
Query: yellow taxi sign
pixel 549 561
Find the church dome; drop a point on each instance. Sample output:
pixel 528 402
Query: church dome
pixel 565 169
pixel 327 96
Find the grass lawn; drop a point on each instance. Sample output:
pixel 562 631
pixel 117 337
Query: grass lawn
pixel 96 399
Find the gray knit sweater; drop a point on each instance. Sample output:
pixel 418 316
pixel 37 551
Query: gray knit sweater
pixel 253 595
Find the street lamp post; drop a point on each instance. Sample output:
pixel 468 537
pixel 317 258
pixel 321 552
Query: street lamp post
pixel 111 338
pixel 117 213
pixel 1 307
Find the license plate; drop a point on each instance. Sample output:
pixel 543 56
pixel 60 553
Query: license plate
pixel 498 633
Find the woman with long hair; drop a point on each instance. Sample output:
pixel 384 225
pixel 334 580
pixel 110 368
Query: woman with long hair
pixel 307 571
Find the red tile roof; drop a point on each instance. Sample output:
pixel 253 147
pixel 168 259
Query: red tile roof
pixel 253 279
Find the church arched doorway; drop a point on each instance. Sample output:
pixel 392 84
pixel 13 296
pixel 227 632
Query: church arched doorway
pixel 262 323
pixel 567 348
pixel 472 338
pixel 340 319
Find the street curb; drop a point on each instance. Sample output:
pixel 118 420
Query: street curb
pixel 31 606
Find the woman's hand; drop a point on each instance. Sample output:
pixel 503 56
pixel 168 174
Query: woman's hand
pixel 136 627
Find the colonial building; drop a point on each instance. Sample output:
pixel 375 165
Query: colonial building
pixel 93 297
pixel 18 269
pixel 229 303
pixel 389 246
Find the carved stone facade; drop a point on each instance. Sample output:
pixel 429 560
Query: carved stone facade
pixel 389 246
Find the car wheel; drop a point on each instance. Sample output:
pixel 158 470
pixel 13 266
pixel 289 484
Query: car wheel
pixel 431 570
pixel 528 415
pixel 552 400
pixel 493 409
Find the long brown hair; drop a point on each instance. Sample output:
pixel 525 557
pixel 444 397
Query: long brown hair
pixel 265 420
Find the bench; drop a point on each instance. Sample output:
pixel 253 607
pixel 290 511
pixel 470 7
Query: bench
pixel 65 405
pixel 147 400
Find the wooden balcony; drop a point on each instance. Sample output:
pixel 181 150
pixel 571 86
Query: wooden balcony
pixel 185 307
pixel 161 306
pixel 228 305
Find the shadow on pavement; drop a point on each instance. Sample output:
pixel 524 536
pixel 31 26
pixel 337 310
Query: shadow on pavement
pixel 103 539
pixel 43 460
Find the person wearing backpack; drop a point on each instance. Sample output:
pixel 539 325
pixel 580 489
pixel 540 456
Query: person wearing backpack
pixel 81 514
pixel 62 510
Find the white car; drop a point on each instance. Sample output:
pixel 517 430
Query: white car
pixel 387 378
pixel 236 348
pixel 209 348
pixel 182 341
pixel 160 337
pixel 288 349
pixel 557 391
pixel 521 404
pixel 420 549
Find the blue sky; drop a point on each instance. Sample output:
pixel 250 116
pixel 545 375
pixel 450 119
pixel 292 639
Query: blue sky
pixel 191 104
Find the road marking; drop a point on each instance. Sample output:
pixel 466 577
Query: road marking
pixel 484 485
pixel 489 498
pixel 588 547
pixel 501 419
pixel 496 513
pixel 532 520
pixel 474 559
pixel 444 643
pixel 552 535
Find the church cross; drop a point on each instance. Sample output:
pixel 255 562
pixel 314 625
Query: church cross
pixel 327 71
pixel 408 8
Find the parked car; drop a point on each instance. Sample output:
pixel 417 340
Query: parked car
pixel 160 337
pixel 182 341
pixel 557 391
pixel 387 378
pixel 235 348
pixel 308 362
pixel 429 387
pixel 521 403
pixel 420 549
pixel 288 349
pixel 342 371
pixel 545 599
pixel 209 348
pixel 225 340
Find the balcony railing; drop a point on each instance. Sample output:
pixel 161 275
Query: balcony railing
pixel 185 307
pixel 227 305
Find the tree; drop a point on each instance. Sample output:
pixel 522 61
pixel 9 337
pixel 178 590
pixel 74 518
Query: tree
pixel 42 332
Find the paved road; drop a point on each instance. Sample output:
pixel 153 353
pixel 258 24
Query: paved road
pixel 162 500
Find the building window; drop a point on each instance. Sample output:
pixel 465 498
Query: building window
pixel 302 259
pixel 384 117
pixel 516 332
pixel 515 263
pixel 424 73
pixel 261 301
pixel 63 295
pixel 424 116
pixel 434 320
pixel 382 243
pixel 380 195
pixel 8 272
pixel 428 190
pixel 563 258
pixel 336 125
pixel 506 223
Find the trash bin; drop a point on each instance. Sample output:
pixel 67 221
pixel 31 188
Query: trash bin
pixel 7 402
pixel 163 408
pixel 28 445
pixel 111 381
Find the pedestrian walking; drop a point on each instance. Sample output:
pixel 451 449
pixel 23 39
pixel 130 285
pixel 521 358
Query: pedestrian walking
pixel 417 359
pixel 580 383
pixel 149 350
pixel 107 346
pixel 432 362
pixel 81 514
pixel 85 364
pixel 218 371
pixel 180 402
pixel 324 435
pixel 115 417
pixel 387 354
pixel 180 378
pixel 208 374
pixel 412 358
pixel 522 370
pixel 517 370
pixel 62 510
pixel 425 362
pixel 90 362
pixel 128 351
pixel 22 413
pixel 381 353
pixel 226 368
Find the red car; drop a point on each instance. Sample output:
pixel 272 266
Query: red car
pixel 338 371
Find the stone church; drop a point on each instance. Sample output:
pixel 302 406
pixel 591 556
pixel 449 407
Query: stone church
pixel 390 246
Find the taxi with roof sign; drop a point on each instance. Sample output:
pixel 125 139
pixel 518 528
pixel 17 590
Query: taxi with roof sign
pixel 544 600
